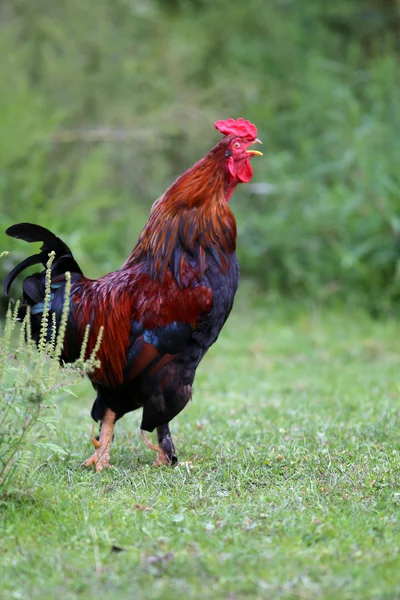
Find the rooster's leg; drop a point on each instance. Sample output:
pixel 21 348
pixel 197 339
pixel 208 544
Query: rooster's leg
pixel 101 457
pixel 166 449
pixel 166 444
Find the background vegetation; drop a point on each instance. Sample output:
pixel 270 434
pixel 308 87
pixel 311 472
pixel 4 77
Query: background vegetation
pixel 288 480
pixel 103 103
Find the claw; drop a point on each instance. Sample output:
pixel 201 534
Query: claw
pixel 99 462
pixel 148 443
pixel 162 458
pixel 93 439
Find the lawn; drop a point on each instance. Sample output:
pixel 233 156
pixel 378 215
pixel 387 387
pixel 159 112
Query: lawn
pixel 288 484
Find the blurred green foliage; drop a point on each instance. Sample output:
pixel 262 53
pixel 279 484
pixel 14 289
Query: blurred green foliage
pixel 103 103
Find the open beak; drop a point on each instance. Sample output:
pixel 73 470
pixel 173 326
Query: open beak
pixel 255 152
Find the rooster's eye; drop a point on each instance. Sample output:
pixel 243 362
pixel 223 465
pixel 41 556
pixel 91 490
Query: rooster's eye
pixel 236 145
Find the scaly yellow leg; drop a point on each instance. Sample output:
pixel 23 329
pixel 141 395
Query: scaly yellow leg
pixel 101 457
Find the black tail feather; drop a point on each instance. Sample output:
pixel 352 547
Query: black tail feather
pixel 64 261
pixel 35 259
pixel 34 289
pixel 36 233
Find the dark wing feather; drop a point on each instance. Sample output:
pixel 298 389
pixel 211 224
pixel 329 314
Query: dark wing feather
pixel 156 347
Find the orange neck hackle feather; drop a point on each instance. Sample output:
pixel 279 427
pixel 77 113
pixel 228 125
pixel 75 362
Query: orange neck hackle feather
pixel 193 215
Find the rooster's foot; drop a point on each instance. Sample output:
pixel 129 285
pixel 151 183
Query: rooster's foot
pixel 163 457
pixel 100 461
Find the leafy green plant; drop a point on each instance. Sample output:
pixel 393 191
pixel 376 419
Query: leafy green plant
pixel 30 380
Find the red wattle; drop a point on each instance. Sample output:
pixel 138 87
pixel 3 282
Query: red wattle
pixel 245 172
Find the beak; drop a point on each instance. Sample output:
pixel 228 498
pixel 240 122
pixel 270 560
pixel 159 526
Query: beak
pixel 255 152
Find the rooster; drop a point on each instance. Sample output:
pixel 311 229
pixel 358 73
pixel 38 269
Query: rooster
pixel 163 308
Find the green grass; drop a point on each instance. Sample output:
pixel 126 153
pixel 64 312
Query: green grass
pixel 287 486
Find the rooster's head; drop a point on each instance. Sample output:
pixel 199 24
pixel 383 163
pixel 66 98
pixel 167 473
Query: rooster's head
pixel 240 134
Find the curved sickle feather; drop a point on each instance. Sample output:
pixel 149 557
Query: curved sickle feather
pixel 29 232
pixel 35 259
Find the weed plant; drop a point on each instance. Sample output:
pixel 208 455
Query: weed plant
pixel 31 379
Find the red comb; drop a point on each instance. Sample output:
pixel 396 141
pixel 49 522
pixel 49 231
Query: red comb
pixel 239 127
